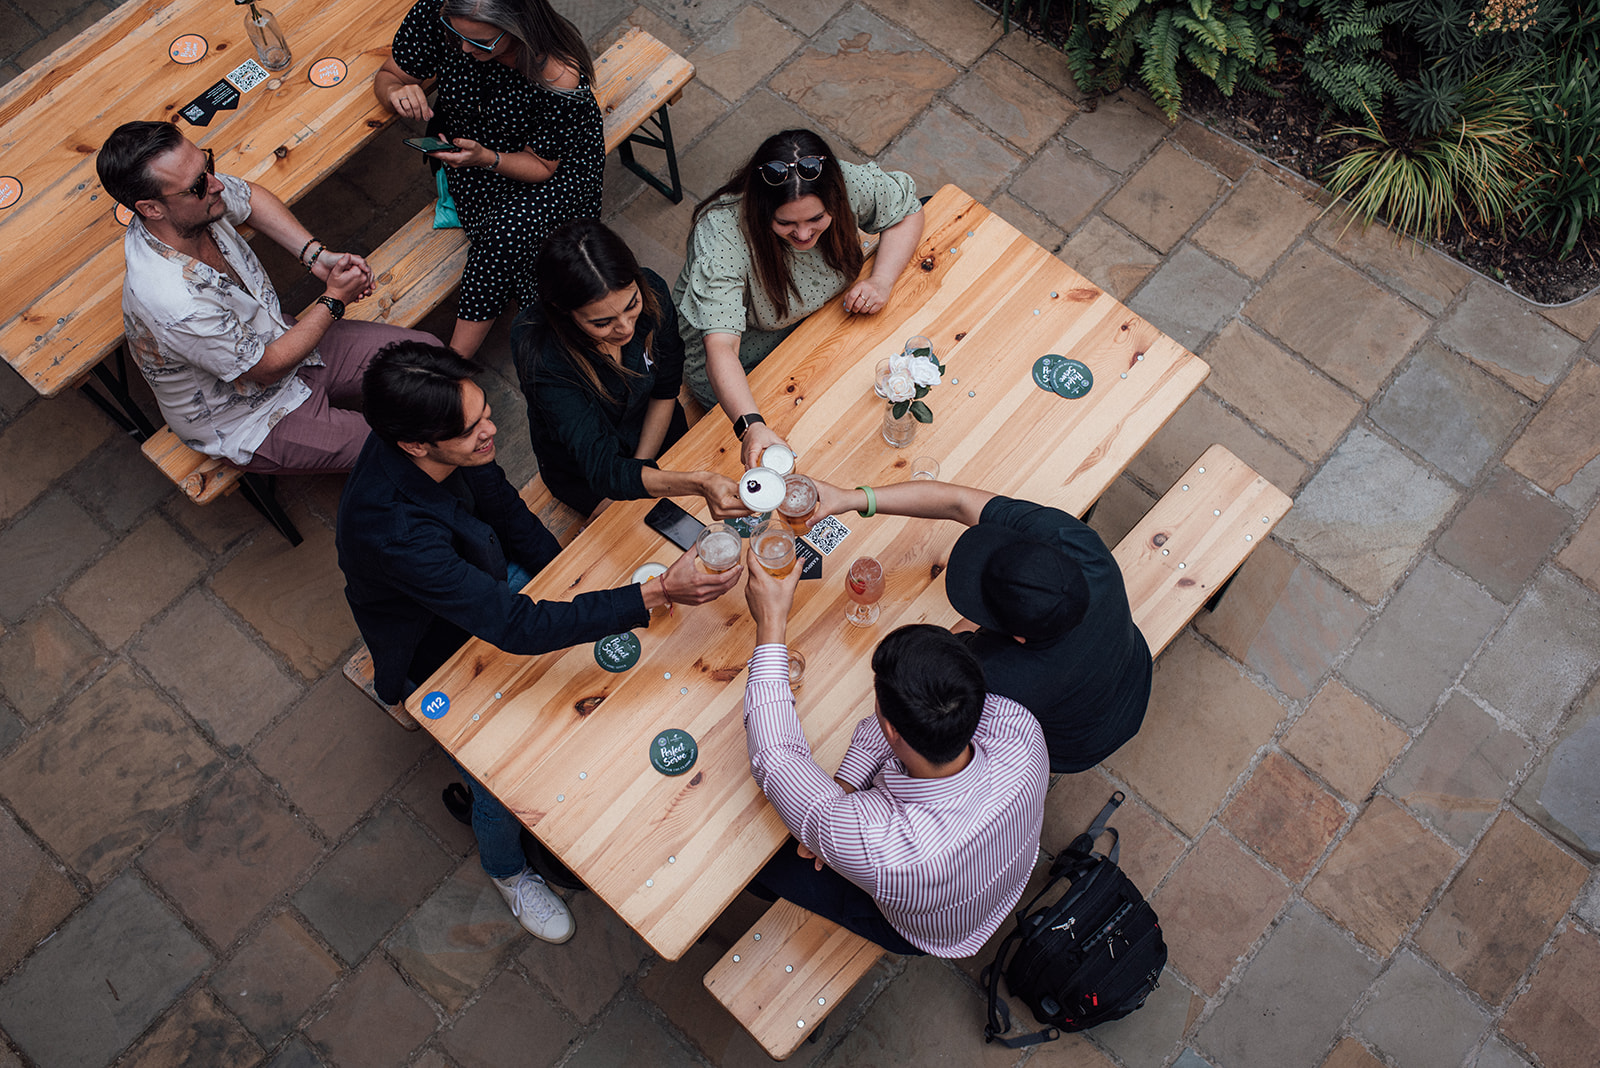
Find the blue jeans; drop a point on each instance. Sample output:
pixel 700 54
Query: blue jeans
pixel 831 896
pixel 498 832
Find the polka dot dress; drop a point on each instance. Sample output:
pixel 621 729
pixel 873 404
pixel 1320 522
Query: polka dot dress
pixel 493 104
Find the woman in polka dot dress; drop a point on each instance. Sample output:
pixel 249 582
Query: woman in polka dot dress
pixel 775 244
pixel 513 83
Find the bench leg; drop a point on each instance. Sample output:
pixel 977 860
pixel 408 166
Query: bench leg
pixel 1216 598
pixel 261 491
pixel 662 140
pixel 119 405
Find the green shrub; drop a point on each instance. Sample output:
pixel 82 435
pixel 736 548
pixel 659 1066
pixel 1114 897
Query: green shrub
pixel 1342 54
pixel 1479 162
pixel 1565 131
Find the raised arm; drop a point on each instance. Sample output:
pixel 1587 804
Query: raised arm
pixel 922 499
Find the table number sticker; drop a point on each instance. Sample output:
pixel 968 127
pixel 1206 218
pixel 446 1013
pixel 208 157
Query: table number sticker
pixel 1072 379
pixel 190 48
pixel 1044 371
pixel 435 705
pixel 247 75
pixel 673 751
pixel 827 534
pixel 617 652
pixel 10 190
pixel 122 215
pixel 328 72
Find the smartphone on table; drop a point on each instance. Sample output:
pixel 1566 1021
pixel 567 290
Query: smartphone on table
pixel 674 524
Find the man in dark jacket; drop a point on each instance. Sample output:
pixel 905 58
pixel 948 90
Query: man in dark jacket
pixel 1055 631
pixel 435 544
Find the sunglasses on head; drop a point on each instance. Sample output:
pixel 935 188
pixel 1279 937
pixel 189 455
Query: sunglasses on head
pixel 487 46
pixel 201 184
pixel 776 172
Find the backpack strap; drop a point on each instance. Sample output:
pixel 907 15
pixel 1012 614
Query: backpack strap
pixel 999 1021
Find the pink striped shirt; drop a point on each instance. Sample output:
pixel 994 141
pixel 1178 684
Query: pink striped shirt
pixel 945 859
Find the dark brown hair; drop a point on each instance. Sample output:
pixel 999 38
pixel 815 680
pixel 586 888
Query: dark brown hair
pixel 581 262
pixel 541 33
pixel 840 244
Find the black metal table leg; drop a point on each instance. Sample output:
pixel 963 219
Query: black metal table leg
pixel 119 405
pixel 262 492
pixel 662 139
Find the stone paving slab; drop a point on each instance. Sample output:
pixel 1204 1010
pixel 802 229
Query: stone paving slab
pixel 1558 449
pixel 43 658
pixel 1283 396
pixel 1500 333
pixel 1191 296
pixel 1163 201
pixel 1284 816
pixel 509 1024
pixel 1366 514
pixel 451 943
pixel 197 1032
pixel 1559 792
pixel 1419 1018
pixel 279 973
pixel 1504 533
pixel 1012 102
pixel 1457 772
pixel 118 963
pixel 1501 908
pixel 948 149
pixel 1216 904
pixel 1558 1017
pixel 1292 997
pixel 375 1020
pixel 1256 224
pixel 1344 740
pixel 35 895
pixel 1543 656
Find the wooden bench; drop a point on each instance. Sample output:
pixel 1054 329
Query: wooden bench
pixel 781 979
pixel 562 522
pixel 418 267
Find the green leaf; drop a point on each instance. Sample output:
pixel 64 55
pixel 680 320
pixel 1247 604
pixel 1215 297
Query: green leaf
pixel 923 351
pixel 921 412
pixel 899 409
pixel 922 391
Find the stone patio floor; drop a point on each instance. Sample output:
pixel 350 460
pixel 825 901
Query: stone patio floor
pixel 1365 799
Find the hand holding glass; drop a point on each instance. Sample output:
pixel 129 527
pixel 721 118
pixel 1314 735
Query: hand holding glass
pixel 800 496
pixel 718 548
pixel 773 545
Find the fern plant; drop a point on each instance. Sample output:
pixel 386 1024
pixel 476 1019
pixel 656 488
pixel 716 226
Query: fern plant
pixel 1342 55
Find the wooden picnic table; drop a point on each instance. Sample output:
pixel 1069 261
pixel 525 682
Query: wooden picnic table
pixel 61 263
pixel 565 744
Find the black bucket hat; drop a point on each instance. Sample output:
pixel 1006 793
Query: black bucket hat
pixel 1016 585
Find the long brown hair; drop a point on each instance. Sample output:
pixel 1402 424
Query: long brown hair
pixel 581 262
pixel 839 244
pixel 541 33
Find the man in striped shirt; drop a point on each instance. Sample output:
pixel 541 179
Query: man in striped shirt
pixel 923 840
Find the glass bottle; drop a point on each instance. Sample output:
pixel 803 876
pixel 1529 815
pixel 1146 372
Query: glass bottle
pixel 272 47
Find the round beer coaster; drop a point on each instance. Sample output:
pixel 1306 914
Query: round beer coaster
pixel 1072 379
pixel 673 751
pixel 746 524
pixel 328 72
pixel 10 190
pixel 1044 369
pixel 122 215
pixel 435 704
pixel 617 652
pixel 190 48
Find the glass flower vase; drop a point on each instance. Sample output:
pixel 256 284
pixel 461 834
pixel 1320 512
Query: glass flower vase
pixel 899 432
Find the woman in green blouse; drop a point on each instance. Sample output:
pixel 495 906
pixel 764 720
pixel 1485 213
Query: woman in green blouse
pixel 600 362
pixel 765 253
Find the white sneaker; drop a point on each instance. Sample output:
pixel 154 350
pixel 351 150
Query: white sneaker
pixel 541 913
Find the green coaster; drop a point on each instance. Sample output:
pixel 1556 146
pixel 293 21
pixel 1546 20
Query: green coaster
pixel 746 524
pixel 617 652
pixel 1072 379
pixel 673 752
pixel 1044 371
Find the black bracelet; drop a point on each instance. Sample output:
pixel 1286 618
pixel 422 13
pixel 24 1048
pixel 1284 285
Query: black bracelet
pixel 302 256
pixel 321 248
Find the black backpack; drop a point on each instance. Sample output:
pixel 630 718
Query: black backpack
pixel 1091 957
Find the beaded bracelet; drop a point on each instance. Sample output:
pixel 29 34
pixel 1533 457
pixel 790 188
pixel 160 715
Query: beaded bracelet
pixel 321 248
pixel 302 256
pixel 872 503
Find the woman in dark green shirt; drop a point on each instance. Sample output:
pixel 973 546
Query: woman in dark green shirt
pixel 601 363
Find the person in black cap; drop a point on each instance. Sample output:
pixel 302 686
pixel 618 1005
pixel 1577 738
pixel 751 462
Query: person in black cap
pixel 1054 629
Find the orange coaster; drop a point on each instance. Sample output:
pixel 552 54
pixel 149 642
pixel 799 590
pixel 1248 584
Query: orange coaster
pixel 328 72
pixel 10 190
pixel 190 48
pixel 122 215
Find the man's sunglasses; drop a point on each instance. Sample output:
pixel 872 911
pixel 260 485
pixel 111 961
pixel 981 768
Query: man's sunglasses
pixel 201 185
pixel 487 46
pixel 776 172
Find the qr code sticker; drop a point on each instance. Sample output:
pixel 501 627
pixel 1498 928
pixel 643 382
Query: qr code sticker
pixel 247 75
pixel 827 534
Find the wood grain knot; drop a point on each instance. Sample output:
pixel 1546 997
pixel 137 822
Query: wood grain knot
pixel 928 264
pixel 282 152
pixel 585 705
pixel 1159 538
pixel 699 777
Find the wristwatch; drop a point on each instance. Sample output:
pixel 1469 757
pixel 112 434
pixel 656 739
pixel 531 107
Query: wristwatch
pixel 745 422
pixel 335 306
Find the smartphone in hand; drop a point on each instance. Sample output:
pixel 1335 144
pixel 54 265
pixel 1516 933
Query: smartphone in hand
pixel 431 144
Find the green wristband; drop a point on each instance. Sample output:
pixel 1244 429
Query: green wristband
pixel 872 503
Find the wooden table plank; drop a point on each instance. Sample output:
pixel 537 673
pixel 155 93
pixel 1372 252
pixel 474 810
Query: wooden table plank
pixel 669 853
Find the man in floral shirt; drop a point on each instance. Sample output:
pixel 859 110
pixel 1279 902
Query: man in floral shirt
pixel 235 377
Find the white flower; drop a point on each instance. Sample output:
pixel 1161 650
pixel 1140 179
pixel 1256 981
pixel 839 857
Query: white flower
pixel 899 386
pixel 924 372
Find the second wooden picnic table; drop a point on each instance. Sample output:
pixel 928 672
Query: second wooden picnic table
pixel 565 743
